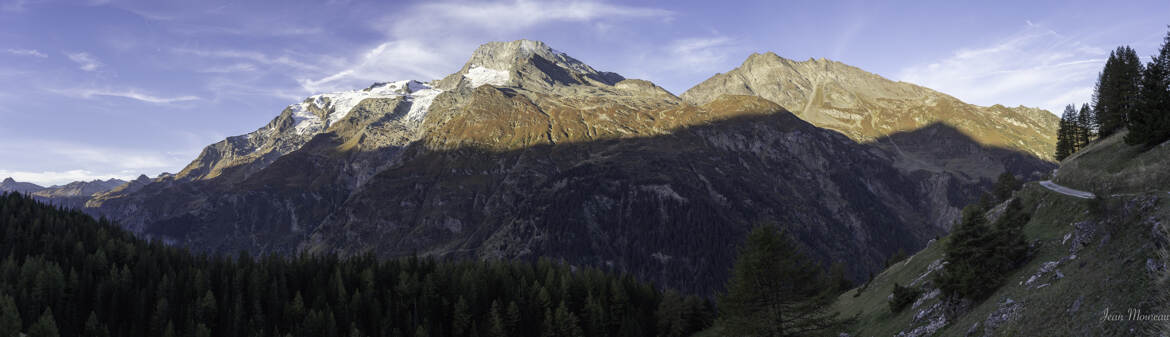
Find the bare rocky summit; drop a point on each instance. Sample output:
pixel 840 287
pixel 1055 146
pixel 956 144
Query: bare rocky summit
pixel 867 107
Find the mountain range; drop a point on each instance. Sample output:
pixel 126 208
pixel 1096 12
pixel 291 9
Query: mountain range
pixel 527 152
pixel 71 195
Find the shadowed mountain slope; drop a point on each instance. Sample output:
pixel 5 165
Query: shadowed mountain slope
pixel 527 152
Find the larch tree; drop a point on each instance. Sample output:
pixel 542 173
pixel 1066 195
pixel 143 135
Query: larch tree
pixel 775 290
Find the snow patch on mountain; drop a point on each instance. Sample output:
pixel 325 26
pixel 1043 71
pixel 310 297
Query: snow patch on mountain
pixel 420 103
pixel 339 104
pixel 482 75
pixel 304 121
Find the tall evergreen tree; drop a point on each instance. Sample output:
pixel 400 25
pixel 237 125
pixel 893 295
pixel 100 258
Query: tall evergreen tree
pixel 1149 123
pixel 979 255
pixel 775 291
pixel 45 326
pixel 1117 90
pixel 1064 135
pixel 1085 126
pixel 10 324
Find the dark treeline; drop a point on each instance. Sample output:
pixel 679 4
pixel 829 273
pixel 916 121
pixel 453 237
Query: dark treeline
pixel 65 274
pixel 1128 95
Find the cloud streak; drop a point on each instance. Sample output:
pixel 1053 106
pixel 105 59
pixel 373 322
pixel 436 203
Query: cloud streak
pixel 1034 67
pixel 27 52
pixel 84 60
pixel 698 54
pixel 256 57
pixel 133 94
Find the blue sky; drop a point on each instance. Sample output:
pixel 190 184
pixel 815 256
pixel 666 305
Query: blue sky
pixel 99 89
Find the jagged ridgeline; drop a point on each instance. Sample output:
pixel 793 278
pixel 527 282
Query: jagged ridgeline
pixel 526 152
pixel 63 271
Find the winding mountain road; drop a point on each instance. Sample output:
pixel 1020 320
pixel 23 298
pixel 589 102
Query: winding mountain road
pixel 1066 191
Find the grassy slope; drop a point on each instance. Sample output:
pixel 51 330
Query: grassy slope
pixel 1111 166
pixel 1108 273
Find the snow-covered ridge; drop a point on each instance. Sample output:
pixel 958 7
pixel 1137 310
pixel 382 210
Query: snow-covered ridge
pixel 339 104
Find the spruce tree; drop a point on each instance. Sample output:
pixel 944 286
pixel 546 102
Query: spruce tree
pixel 10 324
pixel 1064 134
pixel 1149 123
pixel 565 323
pixel 1117 90
pixel 1005 185
pixel 45 326
pixel 979 255
pixel 1074 128
pixel 1085 126
pixel 775 291
pixel 93 328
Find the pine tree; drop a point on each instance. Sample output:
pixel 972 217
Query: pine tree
pixel 1085 126
pixel 775 291
pixel 1074 128
pixel 10 324
pixel 670 315
pixel 461 319
pixel 1004 186
pixel 45 326
pixel 1117 90
pixel 980 255
pixel 1149 124
pixel 565 323
pixel 498 326
pixel 1064 142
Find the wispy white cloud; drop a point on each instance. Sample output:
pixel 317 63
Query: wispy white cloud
pixel 429 40
pixel 267 31
pixel 27 52
pixel 699 54
pixel 84 60
pixel 515 15
pixel 408 59
pixel 133 94
pixel 1034 67
pixel 230 68
pixel 256 57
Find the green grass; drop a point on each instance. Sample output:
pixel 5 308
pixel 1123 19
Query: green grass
pixel 1111 166
pixel 1104 275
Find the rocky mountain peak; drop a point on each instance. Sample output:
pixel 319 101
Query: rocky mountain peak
pixel 9 180
pixel 524 63
pixel 867 107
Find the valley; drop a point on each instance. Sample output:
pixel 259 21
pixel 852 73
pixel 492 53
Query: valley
pixel 549 168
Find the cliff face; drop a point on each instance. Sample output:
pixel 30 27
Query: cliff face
pixel 527 152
